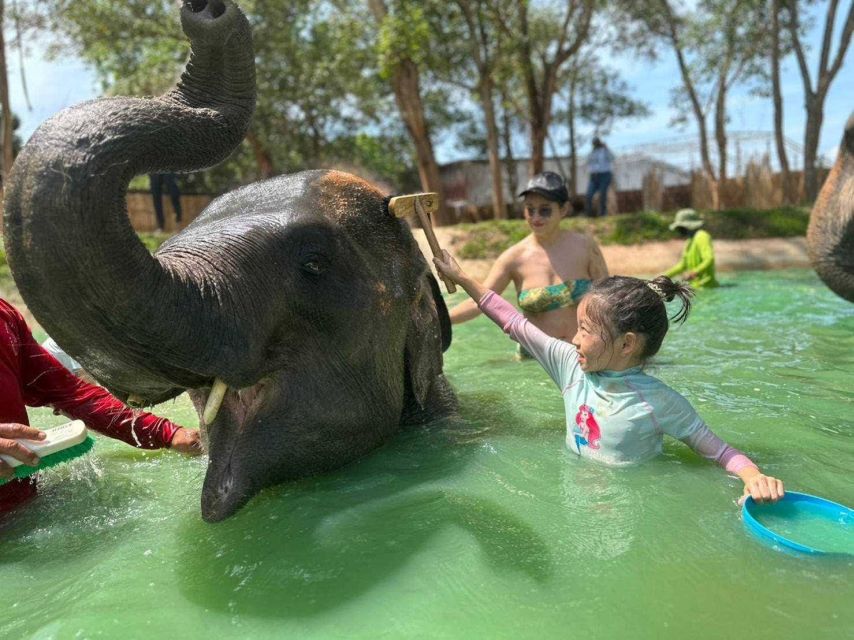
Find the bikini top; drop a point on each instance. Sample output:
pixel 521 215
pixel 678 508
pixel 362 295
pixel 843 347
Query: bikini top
pixel 555 296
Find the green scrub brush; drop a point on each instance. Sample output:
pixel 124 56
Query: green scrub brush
pixel 61 445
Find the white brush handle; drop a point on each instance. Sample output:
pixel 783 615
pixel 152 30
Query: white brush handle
pixel 58 438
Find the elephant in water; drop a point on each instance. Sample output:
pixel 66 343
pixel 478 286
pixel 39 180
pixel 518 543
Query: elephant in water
pixel 301 297
pixel 830 237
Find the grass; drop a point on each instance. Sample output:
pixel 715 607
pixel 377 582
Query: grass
pixel 489 239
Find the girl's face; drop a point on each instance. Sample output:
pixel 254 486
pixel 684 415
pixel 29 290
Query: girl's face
pixel 543 215
pixel 594 354
pixel 597 353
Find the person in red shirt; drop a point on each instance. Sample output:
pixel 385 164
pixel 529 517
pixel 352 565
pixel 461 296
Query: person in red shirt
pixel 30 376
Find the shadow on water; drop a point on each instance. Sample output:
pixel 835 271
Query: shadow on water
pixel 308 547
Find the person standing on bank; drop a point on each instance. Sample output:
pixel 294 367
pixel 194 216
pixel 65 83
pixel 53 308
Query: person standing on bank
pixel 697 264
pixel 551 268
pixel 157 182
pixel 600 165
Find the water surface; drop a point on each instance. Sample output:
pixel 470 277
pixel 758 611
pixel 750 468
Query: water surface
pixel 488 528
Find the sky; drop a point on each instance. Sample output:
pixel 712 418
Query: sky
pixel 54 85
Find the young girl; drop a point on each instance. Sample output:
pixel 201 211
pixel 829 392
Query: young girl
pixel 615 412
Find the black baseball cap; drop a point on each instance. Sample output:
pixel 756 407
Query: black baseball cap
pixel 549 185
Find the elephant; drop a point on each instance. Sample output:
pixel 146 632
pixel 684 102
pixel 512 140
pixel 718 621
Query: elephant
pixel 830 236
pixel 298 312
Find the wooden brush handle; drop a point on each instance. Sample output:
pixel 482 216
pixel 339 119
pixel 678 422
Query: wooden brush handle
pixel 427 225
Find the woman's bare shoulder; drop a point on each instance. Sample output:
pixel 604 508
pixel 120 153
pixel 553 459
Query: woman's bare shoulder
pixel 579 238
pixel 516 251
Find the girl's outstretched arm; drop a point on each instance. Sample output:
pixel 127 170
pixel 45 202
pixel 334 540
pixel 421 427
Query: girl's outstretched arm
pixel 449 268
pixel 763 488
pixel 497 279
pixel 557 357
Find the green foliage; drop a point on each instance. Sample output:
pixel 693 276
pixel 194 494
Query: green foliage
pixel 738 224
pixel 403 35
pixel 320 96
pixel 489 239
pixel 636 228
pixel 152 241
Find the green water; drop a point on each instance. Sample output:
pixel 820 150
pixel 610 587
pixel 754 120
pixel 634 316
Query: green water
pixel 486 529
pixel 821 529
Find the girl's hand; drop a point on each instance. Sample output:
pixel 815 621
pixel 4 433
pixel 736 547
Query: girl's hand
pixel 187 441
pixel 448 267
pixel 763 488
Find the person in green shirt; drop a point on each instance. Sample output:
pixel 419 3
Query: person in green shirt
pixel 697 264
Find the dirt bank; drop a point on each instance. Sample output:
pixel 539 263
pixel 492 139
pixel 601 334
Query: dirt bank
pixel 655 257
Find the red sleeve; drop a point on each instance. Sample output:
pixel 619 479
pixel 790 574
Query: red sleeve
pixel 46 382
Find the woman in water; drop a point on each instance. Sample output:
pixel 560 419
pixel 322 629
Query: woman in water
pixel 551 268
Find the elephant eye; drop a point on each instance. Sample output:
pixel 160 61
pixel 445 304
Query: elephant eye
pixel 314 266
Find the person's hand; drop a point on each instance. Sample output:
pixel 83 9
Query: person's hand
pixel 187 441
pixel 763 489
pixel 690 275
pixel 448 267
pixel 14 449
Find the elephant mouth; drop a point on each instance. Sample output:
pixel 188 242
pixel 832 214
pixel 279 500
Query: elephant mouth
pixel 238 407
pixel 228 483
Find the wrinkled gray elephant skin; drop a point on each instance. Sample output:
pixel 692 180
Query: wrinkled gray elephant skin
pixel 830 237
pixel 302 293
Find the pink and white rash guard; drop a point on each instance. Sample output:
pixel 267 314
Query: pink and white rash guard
pixel 615 417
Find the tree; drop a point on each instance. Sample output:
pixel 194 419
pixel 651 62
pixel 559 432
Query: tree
pixel 8 153
pixel 775 55
pixel 319 90
pixel 483 47
pixel 826 70
pixel 716 45
pixel 404 35
pixel 543 41
pixel 595 96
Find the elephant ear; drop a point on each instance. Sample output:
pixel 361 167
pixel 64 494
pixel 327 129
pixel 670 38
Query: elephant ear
pixel 427 337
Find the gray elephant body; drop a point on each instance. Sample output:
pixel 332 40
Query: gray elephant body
pixel 830 237
pixel 302 293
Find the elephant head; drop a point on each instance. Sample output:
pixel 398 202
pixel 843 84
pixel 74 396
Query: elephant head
pixel 300 296
pixel 830 237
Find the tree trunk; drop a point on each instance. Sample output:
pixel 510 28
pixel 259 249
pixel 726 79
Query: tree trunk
pixel 8 151
pixel 815 116
pixel 405 82
pixel 488 103
pixel 827 71
pixel 720 123
pixel 695 105
pixel 408 98
pixel 262 156
pixel 777 93
pixel 509 159
pixel 573 159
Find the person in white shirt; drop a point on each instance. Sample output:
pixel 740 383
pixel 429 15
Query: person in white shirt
pixel 599 163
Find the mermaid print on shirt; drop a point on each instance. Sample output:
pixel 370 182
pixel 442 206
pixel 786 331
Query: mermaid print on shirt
pixel 586 429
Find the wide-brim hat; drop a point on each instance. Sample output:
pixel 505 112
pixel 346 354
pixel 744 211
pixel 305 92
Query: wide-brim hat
pixel 687 219
pixel 548 184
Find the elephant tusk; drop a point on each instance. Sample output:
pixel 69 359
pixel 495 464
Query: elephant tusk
pixel 214 401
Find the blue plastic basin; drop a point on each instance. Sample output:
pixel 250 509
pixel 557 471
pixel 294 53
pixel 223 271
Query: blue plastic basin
pixel 803 523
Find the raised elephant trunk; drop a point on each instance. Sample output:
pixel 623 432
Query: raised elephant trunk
pixel 129 317
pixel 830 237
